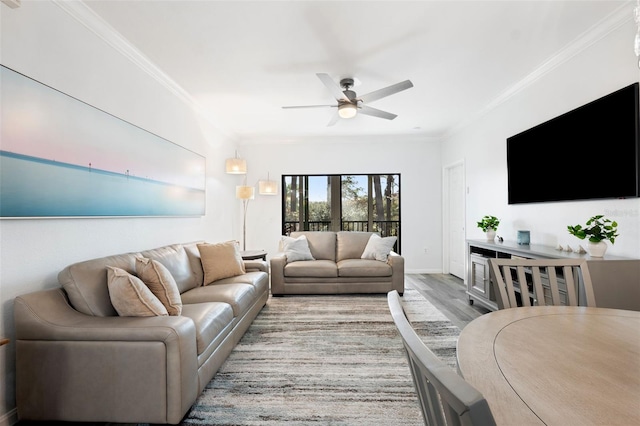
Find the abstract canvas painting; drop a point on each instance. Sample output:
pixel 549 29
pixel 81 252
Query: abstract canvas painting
pixel 61 157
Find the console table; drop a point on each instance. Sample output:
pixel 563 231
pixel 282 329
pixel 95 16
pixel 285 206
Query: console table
pixel 616 280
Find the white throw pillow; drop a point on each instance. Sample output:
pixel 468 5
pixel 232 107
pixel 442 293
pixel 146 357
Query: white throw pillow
pixel 296 249
pixel 378 248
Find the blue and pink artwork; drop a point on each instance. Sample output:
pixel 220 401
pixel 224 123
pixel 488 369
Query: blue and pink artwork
pixel 60 157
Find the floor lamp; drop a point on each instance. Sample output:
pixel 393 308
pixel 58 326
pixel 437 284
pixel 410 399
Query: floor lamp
pixel 245 193
pixel 236 165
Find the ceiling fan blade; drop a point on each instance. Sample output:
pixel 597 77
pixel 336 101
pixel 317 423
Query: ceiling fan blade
pixel 335 90
pixel 309 106
pixel 334 119
pixel 386 91
pixel 367 110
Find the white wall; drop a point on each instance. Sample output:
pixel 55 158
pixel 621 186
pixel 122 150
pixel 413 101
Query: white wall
pixel 607 65
pixel 44 42
pixel 416 160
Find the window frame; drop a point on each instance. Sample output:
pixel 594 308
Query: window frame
pixel 337 222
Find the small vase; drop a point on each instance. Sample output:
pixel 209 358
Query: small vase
pixel 597 249
pixel 491 234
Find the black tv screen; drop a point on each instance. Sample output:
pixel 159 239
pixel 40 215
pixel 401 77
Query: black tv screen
pixel 591 152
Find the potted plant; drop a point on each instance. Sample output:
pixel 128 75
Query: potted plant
pixel 489 225
pixel 597 230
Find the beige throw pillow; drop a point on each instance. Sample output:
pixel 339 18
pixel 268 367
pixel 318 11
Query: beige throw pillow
pixel 221 260
pixel 130 296
pixel 161 283
pixel 378 248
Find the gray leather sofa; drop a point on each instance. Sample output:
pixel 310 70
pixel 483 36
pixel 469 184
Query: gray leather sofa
pixel 77 360
pixel 337 268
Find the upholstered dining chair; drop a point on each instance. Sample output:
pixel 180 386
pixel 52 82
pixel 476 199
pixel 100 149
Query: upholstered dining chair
pixel 445 397
pixel 544 286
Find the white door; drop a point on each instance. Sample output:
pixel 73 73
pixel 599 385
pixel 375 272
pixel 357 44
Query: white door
pixel 453 211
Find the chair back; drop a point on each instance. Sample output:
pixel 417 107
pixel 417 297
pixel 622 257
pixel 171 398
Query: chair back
pixel 543 285
pixel 445 397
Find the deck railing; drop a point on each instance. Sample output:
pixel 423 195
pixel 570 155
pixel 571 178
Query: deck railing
pixel 386 228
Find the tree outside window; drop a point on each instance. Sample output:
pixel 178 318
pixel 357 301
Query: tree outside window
pixel 368 202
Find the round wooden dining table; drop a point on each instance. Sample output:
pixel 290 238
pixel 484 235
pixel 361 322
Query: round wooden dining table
pixel 555 365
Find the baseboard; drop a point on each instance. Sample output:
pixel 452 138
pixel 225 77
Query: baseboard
pixel 10 418
pixel 423 271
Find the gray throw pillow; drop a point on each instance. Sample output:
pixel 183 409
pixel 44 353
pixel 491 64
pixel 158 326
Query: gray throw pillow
pixel 296 249
pixel 378 248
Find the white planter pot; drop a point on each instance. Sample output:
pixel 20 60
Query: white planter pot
pixel 491 234
pixel 597 249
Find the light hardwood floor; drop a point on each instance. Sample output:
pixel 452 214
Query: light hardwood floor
pixel 447 293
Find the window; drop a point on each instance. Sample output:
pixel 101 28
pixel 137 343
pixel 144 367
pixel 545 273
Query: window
pixel 342 203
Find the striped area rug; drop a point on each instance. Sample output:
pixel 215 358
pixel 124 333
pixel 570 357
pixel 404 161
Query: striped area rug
pixel 324 360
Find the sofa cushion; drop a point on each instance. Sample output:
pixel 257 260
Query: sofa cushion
pixel 350 245
pixel 312 268
pixel 130 296
pixel 363 268
pixel 321 244
pixel 174 258
pixel 378 248
pixel 86 283
pixel 296 249
pixel 258 279
pixel 161 283
pixel 195 262
pixel 240 296
pixel 210 319
pixel 221 260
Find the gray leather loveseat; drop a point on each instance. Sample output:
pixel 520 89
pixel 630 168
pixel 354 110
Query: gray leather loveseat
pixel 78 360
pixel 337 267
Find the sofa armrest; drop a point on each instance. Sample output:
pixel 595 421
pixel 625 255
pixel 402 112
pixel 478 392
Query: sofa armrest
pixel 278 263
pixel 256 265
pixel 91 367
pixel 397 265
pixel 47 315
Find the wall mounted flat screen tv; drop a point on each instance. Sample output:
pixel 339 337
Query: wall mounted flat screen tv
pixel 591 152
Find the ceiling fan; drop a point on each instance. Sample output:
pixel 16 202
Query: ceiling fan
pixel 349 103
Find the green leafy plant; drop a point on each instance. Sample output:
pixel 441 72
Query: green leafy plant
pixel 489 222
pixel 598 228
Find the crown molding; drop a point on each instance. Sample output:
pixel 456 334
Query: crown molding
pixel 91 20
pixel 597 32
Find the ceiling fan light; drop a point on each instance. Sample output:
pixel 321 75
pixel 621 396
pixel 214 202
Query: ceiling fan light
pixel 347 110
